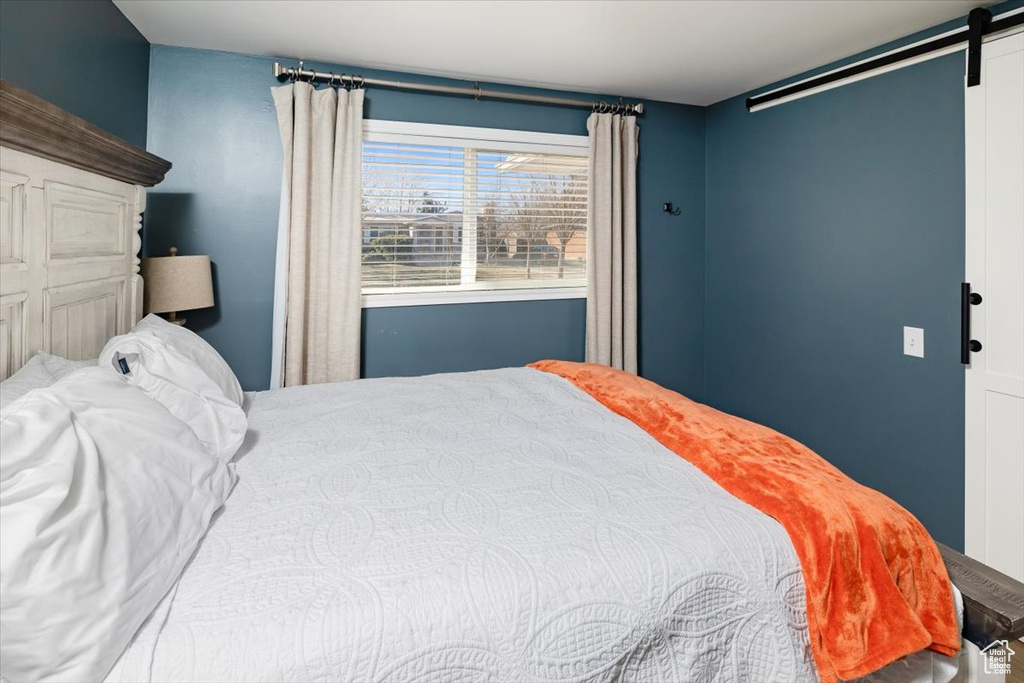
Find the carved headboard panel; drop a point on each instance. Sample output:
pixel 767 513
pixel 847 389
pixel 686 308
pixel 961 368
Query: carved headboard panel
pixel 71 199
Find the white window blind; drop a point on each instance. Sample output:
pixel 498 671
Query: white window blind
pixel 449 209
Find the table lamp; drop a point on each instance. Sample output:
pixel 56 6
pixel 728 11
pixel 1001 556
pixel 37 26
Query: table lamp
pixel 176 283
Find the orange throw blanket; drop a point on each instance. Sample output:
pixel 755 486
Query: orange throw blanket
pixel 876 586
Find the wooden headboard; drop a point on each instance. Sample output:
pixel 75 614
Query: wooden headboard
pixel 71 199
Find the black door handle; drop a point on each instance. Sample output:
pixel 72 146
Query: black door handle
pixel 967 345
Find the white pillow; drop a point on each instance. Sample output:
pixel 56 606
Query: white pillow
pixel 31 375
pixel 104 497
pixel 60 367
pixel 155 360
pixel 195 348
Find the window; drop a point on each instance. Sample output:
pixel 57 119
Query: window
pixel 455 214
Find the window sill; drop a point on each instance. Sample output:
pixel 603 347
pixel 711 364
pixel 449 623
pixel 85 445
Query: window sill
pixel 471 297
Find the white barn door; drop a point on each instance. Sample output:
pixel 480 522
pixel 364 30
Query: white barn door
pixel 995 270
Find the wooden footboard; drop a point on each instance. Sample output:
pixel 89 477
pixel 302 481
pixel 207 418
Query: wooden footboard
pixel 993 601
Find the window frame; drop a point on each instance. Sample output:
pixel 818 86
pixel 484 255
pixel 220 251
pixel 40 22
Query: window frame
pixel 473 138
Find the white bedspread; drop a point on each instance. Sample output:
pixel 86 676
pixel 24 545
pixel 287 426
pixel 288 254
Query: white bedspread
pixel 497 525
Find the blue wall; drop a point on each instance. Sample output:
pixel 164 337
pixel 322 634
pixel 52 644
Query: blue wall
pixel 833 221
pixel 82 55
pixel 830 223
pixel 211 115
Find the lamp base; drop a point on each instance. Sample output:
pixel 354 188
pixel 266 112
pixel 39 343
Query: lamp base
pixel 173 319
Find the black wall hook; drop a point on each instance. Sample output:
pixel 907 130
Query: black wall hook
pixel 670 209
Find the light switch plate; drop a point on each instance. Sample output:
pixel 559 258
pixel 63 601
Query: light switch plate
pixel 913 342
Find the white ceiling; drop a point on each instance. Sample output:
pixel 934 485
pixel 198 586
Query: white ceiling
pixel 693 52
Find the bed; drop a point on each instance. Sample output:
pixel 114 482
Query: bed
pixel 496 525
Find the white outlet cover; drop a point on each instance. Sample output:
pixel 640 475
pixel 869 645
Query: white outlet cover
pixel 913 342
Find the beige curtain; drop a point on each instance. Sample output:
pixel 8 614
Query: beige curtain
pixel 319 238
pixel 611 242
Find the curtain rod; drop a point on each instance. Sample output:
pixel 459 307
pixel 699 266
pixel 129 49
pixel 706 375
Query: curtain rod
pixel 981 26
pixel 283 73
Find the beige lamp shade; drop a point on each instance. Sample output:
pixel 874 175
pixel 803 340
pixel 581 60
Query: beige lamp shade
pixel 176 283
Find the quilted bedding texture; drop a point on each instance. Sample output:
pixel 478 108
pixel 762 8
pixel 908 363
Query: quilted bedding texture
pixel 495 525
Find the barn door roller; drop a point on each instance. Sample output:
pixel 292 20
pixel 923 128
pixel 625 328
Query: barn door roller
pixel 977 21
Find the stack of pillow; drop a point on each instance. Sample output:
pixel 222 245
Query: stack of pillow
pixel 39 372
pixel 110 473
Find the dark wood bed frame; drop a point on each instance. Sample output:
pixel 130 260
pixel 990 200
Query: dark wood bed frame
pixel 993 601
